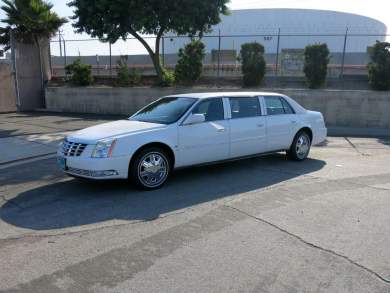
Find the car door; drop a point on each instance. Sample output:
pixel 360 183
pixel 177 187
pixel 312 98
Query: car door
pixel 247 126
pixel 281 123
pixel 207 141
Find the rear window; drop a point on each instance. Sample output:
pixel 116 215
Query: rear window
pixel 278 106
pixel 245 107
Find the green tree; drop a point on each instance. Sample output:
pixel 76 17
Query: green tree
pixel 31 22
pixel 316 64
pixel 253 64
pixel 379 67
pixel 190 64
pixel 112 20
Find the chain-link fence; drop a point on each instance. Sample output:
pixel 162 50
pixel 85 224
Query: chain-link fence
pixel 283 53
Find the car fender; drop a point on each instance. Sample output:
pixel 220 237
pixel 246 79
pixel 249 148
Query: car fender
pixel 129 144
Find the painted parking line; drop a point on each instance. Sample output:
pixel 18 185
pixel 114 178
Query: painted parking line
pixel 27 160
pixel 21 148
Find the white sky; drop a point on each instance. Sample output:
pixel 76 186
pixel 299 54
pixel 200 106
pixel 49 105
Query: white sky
pixel 378 9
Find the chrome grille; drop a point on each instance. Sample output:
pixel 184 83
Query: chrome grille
pixel 80 172
pixel 72 149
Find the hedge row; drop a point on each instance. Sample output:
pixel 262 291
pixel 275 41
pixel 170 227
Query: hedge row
pixel 190 65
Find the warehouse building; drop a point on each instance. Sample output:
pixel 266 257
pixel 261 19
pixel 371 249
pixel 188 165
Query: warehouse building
pixel 297 28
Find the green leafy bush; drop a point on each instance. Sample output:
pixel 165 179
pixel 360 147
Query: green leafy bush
pixel 252 63
pixel 379 67
pixel 316 64
pixel 190 64
pixel 127 77
pixel 168 78
pixel 123 71
pixel 134 76
pixel 80 73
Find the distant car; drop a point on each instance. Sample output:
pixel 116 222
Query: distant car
pixel 190 129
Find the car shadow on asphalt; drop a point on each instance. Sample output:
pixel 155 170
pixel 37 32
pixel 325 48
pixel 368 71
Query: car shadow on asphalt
pixel 75 202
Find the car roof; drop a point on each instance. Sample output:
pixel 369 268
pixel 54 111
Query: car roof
pixel 224 94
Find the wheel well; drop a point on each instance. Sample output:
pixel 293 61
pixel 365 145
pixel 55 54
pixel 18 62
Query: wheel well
pixel 308 131
pixel 158 145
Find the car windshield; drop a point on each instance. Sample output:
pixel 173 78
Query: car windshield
pixel 164 111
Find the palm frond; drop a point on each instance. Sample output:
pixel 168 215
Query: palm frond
pixel 31 19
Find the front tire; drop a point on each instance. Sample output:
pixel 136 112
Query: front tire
pixel 300 147
pixel 150 168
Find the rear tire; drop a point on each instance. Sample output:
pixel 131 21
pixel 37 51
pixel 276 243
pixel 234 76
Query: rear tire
pixel 150 168
pixel 300 147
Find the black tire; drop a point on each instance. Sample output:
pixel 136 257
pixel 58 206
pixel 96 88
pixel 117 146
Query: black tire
pixel 300 147
pixel 155 177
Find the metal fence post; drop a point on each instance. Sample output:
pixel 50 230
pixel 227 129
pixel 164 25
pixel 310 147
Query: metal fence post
pixel 50 62
pixel 219 55
pixel 163 50
pixel 64 51
pixel 343 58
pixel 59 42
pixel 277 54
pixel 98 64
pixel 109 43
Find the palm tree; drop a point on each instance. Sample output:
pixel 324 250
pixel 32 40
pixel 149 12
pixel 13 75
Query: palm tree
pixel 31 22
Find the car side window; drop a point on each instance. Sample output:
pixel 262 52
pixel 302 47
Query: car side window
pixel 245 107
pixel 287 107
pixel 274 106
pixel 212 109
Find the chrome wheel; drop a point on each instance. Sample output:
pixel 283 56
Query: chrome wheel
pixel 302 146
pixel 153 169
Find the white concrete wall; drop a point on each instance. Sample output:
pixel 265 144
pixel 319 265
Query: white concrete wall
pixel 343 108
pixel 7 89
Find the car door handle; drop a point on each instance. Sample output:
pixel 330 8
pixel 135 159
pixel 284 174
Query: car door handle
pixel 260 125
pixel 293 121
pixel 221 129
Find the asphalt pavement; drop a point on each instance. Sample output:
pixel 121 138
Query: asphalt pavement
pixel 263 224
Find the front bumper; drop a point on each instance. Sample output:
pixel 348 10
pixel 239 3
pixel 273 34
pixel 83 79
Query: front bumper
pixel 93 168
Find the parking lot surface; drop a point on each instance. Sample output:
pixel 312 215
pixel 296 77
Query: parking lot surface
pixel 263 224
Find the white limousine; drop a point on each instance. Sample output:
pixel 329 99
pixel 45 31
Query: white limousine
pixel 190 129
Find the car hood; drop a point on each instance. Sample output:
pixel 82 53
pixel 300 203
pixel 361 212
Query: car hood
pixel 112 129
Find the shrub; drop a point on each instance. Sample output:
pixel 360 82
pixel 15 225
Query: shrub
pixel 80 73
pixel 189 66
pixel 168 78
pixel 379 67
pixel 134 76
pixel 252 63
pixel 127 77
pixel 316 64
pixel 123 71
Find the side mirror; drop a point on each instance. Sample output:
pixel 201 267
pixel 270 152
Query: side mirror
pixel 195 119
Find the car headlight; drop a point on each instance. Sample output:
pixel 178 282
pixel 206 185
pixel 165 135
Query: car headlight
pixel 104 148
